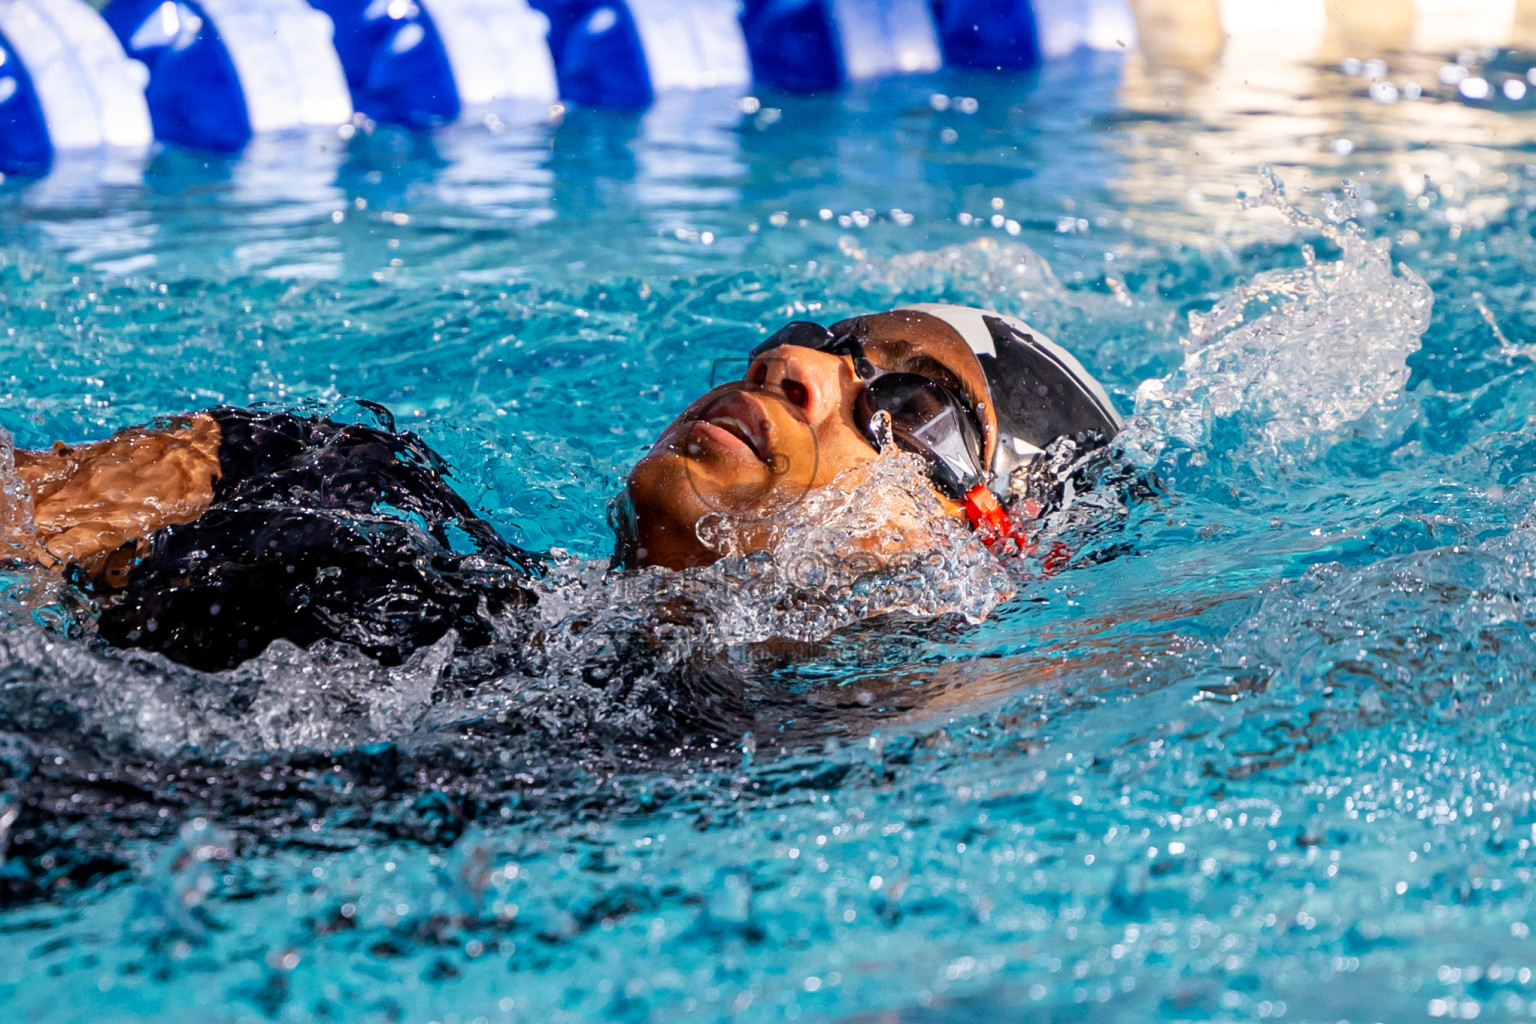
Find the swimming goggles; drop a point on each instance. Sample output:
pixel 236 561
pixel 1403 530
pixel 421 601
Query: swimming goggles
pixel 927 418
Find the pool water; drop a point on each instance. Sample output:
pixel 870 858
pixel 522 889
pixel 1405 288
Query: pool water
pixel 1263 750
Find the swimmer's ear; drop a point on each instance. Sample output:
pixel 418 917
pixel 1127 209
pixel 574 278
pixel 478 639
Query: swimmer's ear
pixel 626 532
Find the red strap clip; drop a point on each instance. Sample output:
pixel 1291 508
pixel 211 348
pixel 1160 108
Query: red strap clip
pixel 987 515
pixel 982 506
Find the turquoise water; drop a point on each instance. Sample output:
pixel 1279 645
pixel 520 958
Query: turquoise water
pixel 1263 751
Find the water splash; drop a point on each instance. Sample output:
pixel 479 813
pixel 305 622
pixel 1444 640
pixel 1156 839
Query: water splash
pixel 1304 639
pixel 1288 359
pixel 615 651
pixel 329 697
pixel 8 815
pixel 874 542
pixel 18 530
pixel 168 909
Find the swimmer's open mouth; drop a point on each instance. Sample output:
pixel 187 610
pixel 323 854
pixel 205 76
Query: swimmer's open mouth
pixel 738 415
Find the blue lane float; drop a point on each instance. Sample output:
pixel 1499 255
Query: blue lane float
pixel 816 45
pixel 65 85
pixel 623 53
pixel 396 65
pixel 1017 35
pixel 427 62
pixel 597 53
pixel 223 70
pixel 996 35
pixel 24 144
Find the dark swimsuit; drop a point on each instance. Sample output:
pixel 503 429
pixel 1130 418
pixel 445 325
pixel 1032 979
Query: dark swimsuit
pixel 319 530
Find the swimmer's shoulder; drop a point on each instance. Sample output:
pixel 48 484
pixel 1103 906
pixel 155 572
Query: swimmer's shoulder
pixel 90 500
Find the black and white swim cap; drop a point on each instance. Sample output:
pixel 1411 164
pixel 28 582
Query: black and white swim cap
pixel 1040 392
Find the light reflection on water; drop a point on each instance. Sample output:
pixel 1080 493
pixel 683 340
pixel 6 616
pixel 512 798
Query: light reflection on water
pixel 1262 752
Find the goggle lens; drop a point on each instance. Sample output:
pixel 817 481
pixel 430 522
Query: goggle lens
pixel 930 421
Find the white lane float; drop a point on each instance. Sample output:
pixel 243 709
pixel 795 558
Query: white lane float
pixel 65 86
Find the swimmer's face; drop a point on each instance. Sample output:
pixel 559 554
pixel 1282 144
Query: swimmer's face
pixel 752 449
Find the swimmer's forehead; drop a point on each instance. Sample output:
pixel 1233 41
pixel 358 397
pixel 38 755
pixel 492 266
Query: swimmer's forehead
pixel 910 341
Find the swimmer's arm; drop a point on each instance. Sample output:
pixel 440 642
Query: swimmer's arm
pixel 1106 647
pixel 90 500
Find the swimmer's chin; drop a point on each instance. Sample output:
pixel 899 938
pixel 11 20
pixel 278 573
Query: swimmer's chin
pixel 664 508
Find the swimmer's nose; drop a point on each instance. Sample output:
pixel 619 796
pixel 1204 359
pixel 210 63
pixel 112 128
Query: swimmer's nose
pixel 813 381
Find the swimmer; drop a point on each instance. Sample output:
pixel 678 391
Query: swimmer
pixel 976 395
pixel 207 536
